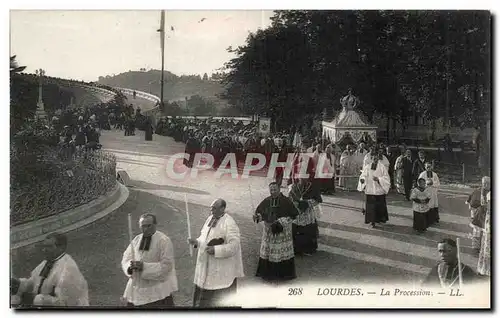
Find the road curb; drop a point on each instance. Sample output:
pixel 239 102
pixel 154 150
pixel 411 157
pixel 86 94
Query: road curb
pixel 32 232
pixel 456 191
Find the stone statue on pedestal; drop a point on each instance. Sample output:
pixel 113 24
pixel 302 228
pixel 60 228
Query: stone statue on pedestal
pixel 40 109
pixel 40 74
pixel 349 102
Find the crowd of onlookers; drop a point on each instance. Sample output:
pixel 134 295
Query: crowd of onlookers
pixel 412 173
pixel 81 127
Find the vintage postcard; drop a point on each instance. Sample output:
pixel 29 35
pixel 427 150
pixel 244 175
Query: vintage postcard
pixel 250 159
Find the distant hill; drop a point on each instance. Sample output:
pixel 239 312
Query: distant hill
pixel 176 88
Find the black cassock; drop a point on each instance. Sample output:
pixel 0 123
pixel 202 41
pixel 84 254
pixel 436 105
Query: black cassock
pixel 148 131
pixel 418 168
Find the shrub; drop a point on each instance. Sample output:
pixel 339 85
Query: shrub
pixel 94 174
pixel 39 183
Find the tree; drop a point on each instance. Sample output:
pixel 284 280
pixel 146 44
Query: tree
pixel 200 107
pixel 205 77
pixel 24 97
pixel 398 62
pixel 270 76
pixel 350 49
pixel 173 109
pixel 14 67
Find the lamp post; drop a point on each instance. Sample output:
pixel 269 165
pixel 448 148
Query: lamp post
pixel 40 109
pixel 162 43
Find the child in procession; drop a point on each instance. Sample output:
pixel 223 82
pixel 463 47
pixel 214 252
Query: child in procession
pixel 420 196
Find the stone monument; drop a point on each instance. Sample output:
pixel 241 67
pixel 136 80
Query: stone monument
pixel 40 108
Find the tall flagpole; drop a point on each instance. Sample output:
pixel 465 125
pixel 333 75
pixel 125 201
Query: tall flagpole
pixel 162 41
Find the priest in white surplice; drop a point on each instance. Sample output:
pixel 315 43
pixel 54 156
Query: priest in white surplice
pixel 154 278
pixel 219 263
pixel 57 281
pixel 381 157
pixel 375 183
pixel 432 181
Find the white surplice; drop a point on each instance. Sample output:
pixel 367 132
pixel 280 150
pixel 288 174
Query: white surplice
pixel 158 279
pixel 65 281
pixel 416 193
pixel 433 203
pixel 348 163
pixel 372 187
pixel 218 271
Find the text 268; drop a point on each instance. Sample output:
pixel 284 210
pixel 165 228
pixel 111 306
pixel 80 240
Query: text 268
pixel 295 291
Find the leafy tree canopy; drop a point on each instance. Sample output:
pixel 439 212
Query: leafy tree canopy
pixel 434 63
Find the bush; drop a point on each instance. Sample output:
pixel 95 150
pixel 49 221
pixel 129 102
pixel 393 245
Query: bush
pixel 33 156
pixel 94 174
pixel 39 183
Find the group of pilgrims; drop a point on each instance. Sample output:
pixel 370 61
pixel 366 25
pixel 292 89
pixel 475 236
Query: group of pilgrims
pixel 81 127
pixel 352 167
pixel 366 167
pixel 289 223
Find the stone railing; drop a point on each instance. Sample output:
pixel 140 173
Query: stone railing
pixel 153 113
pixel 139 94
pixel 245 120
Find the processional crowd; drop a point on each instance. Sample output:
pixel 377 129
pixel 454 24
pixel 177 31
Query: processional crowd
pixel 290 222
pixel 80 128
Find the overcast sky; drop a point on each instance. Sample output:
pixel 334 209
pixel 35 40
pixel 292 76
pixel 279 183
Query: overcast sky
pixel 87 44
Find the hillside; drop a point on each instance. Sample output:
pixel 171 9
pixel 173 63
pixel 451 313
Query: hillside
pixel 176 87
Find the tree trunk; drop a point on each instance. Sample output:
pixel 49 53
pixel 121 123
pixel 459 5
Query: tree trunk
pixel 403 126
pixel 433 125
pixel 484 154
pixel 394 128
pixel 388 127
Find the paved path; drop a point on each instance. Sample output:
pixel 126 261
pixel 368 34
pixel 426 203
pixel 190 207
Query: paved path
pixel 350 250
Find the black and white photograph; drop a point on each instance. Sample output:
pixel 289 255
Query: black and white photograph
pixel 240 159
